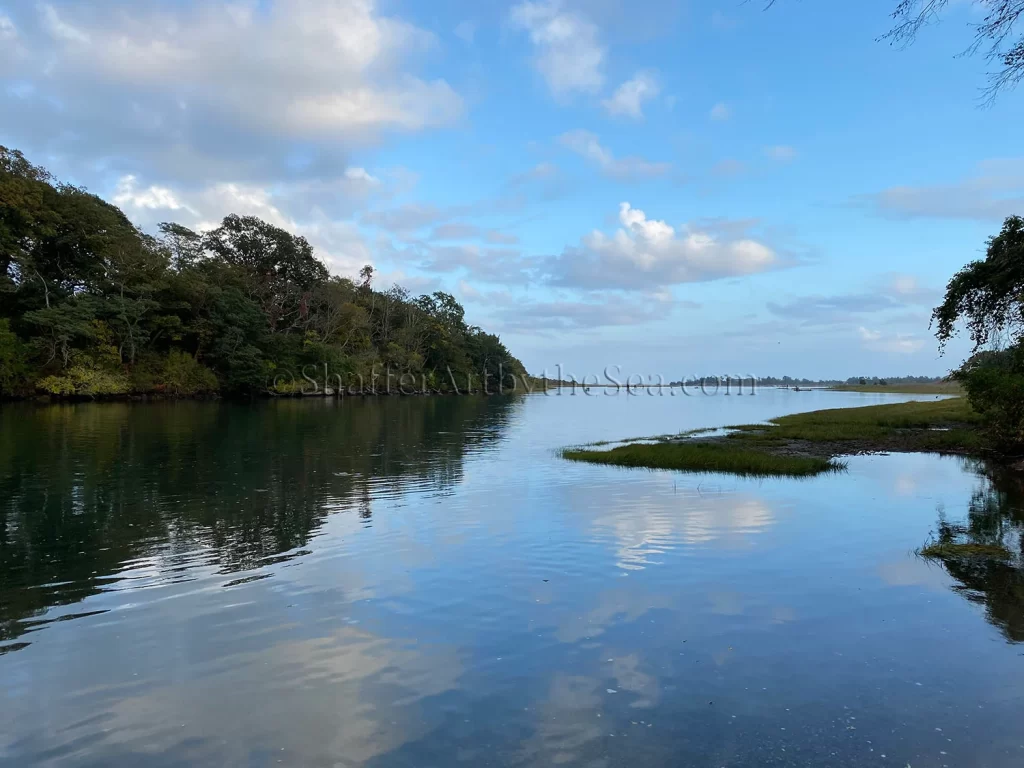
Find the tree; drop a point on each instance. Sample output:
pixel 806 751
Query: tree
pixel 280 269
pixel 91 306
pixel 988 294
pixel 994 36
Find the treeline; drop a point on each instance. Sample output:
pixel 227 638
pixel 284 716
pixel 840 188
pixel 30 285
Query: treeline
pixel 788 381
pixel 91 306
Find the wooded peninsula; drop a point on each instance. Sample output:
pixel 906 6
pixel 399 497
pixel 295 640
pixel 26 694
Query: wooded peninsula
pixel 92 306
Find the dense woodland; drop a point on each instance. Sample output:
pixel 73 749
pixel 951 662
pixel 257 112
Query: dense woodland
pixel 90 306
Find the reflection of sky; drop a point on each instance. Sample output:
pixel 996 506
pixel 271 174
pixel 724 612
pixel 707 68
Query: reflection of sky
pixel 538 612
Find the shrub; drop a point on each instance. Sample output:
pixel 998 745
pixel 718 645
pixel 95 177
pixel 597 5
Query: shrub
pixel 994 382
pixel 87 381
pixel 184 375
pixel 13 360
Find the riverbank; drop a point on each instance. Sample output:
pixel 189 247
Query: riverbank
pixel 806 443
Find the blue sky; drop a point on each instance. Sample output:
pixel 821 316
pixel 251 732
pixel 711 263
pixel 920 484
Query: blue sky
pixel 670 187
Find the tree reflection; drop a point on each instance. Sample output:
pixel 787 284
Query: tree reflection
pixel 994 523
pixel 90 492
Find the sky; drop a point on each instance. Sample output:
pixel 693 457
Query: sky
pixel 673 188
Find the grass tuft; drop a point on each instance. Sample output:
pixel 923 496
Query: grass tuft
pixel 965 551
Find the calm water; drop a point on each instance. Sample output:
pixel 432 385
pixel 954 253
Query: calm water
pixel 422 582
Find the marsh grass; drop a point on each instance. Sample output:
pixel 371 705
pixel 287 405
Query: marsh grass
pixel 949 550
pixel 706 457
pixel 865 423
pixel 802 444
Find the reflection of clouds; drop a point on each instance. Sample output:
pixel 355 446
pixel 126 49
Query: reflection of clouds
pixel 726 520
pixel 614 606
pixel 304 702
pixel 645 529
pixel 628 677
pixel 568 722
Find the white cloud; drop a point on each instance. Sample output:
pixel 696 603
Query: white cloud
pixel 721 112
pixel 993 191
pixel 587 144
pixel 569 52
pixel 300 68
pixel 11 48
pixel 8 31
pixel 629 97
pixel 360 175
pixel 129 197
pixel 897 343
pixel 781 152
pixel 650 254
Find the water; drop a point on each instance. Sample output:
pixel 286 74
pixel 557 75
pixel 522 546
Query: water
pixel 423 582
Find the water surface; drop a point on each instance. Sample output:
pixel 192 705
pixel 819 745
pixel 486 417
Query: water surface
pixel 422 582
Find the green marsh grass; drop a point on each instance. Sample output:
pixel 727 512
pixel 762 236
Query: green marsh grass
pixel 706 457
pixel 786 446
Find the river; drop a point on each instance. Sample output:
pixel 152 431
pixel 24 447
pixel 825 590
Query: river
pixel 424 582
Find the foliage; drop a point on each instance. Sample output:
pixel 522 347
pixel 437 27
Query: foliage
pixel 13 360
pixel 994 382
pixel 184 375
pixel 92 307
pixel 987 296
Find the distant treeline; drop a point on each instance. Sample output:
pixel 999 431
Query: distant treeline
pixel 789 381
pixel 92 306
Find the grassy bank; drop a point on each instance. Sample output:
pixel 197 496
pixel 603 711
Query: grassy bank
pixel 806 443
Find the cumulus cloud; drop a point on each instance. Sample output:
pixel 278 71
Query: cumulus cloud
pixel 647 253
pixel 587 145
pixel 569 52
pixel 995 190
pixel 203 82
pixel 720 112
pixel 628 99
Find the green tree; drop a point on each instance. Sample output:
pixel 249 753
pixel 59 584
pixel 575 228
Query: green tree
pixel 987 296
